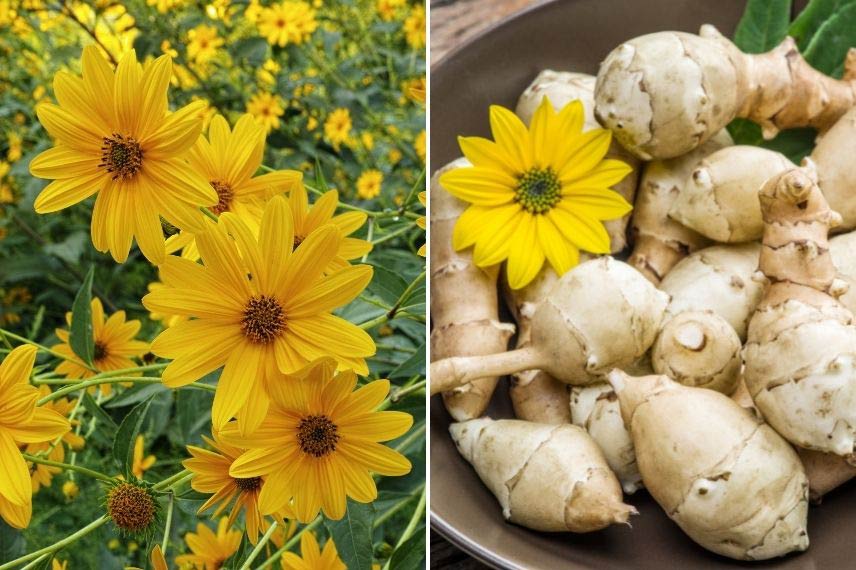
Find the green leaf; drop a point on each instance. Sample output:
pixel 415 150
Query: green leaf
pixel 12 542
pixel 387 285
pixel 135 395
pixel 793 143
pixel 320 181
pixel 103 417
pixel 412 366
pixel 805 26
pixel 126 435
pixel 353 535
pixel 411 554
pixel 80 335
pixel 254 50
pixel 828 47
pixel 763 26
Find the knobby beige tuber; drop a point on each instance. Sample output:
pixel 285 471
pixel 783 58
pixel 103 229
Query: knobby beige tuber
pixel 464 305
pixel 545 477
pixel 659 242
pixel 663 94
pixel 799 358
pixel 725 477
pixel 843 251
pixel 600 315
pixel 562 87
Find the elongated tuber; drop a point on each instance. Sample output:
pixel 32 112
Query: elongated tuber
pixel 725 477
pixel 595 408
pixel 663 94
pixel 799 358
pixel 720 197
pixel 562 87
pixel 601 314
pixel 545 477
pixel 659 242
pixel 464 305
pixel 836 169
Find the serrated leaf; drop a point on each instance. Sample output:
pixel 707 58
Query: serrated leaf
pixel 126 435
pixel 828 47
pixel 411 554
pixel 80 333
pixel 806 24
pixel 353 535
pixel 763 26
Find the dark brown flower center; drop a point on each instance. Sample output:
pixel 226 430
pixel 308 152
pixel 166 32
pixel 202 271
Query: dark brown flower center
pixel 250 484
pixel 263 319
pixel 225 194
pixel 122 156
pixel 317 435
pixel 297 241
pixel 132 508
pixel 100 350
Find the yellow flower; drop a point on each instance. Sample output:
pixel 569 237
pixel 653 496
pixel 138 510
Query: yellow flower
pixel 164 6
pixel 70 490
pixel 387 9
pixel 320 441
pixel 368 184
pixel 204 43
pixel 253 11
pixel 14 153
pixel 167 49
pixel 231 174
pixel 312 557
pixel 4 169
pixel 167 320
pixel 394 155
pixel 115 137
pixel 42 475
pixel 421 221
pixel 141 464
pixel 115 345
pixel 307 220
pixel 367 140
pixel 414 89
pixel 337 127
pixel 419 145
pixel 414 27
pixel 537 192
pixel 263 310
pixel 289 22
pixel 267 109
pixel 21 423
pixel 311 124
pixel 210 550
pixel 211 476
pixel 57 565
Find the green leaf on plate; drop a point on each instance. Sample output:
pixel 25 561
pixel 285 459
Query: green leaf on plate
pixel 763 26
pixel 828 47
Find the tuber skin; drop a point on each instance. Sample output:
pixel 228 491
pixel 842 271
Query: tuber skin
pixel 601 314
pixel 842 248
pixel 659 242
pixel 664 94
pixel 545 477
pixel 595 408
pixel 562 87
pixel 836 170
pixel 720 197
pixel 464 304
pixel 799 358
pixel 725 477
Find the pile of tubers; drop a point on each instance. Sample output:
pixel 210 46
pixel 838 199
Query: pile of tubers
pixel 716 366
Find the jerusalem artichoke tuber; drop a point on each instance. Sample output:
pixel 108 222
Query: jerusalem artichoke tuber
pixel 659 242
pixel 463 303
pixel 843 251
pixel 601 314
pixel 663 94
pixel 545 477
pixel 726 478
pixel 799 358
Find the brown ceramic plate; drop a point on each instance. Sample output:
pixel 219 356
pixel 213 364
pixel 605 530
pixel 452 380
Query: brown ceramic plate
pixel 495 68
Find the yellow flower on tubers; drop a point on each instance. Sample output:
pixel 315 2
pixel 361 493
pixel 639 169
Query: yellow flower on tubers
pixel 536 193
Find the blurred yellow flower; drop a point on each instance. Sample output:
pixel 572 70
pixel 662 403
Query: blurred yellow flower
pixel 210 550
pixel 204 43
pixel 421 220
pixel 337 127
pixel 70 490
pixel 253 11
pixel 368 184
pixel 142 462
pixel 167 49
pixel 388 9
pixel 289 22
pixel 312 557
pixel 4 169
pixel 394 156
pixel 419 145
pixel 267 109
pixel 164 6
pixel 367 139
pixel 414 27
pixel 57 565
pixel 15 144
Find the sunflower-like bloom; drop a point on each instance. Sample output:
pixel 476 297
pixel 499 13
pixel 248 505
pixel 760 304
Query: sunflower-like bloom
pixel 210 550
pixel 320 442
pixel 263 310
pixel 42 475
pixel 289 22
pixel 204 43
pixel 21 423
pixel 141 462
pixel 421 221
pixel 115 346
pixel 536 193
pixel 228 160
pixel 312 557
pixel 211 476
pixel 267 109
pixel 115 137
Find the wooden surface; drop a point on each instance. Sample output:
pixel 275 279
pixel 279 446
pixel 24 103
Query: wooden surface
pixel 453 22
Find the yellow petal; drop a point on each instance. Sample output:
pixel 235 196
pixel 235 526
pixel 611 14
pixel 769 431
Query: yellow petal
pixel 43 425
pixel 607 173
pixel 330 292
pixel 583 231
pixel 561 254
pixel 376 457
pixel 237 381
pixel 69 129
pixel 72 94
pixel 487 154
pixel 349 222
pixel 155 82
pixel 64 162
pixel 126 92
pixel 524 260
pixel 329 335
pixel 176 134
pixel 17 516
pixel 479 186
pixel 602 205
pixel 61 194
pixel 17 366
pixel 15 483
pixel 276 239
pixel 542 137
pixel 511 135
pixel 277 182
pixel 583 155
pixel 498 229
pixel 309 260
pixel 377 426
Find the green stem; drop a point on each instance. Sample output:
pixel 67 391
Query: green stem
pixel 395 233
pixel 387 514
pixel 43 348
pixel 37 562
pixel 393 311
pixel 209 213
pixel 170 481
pixel 168 524
pixel 257 550
pixel 57 545
pixel 411 526
pixel 78 468
pixel 288 545
pixel 402 392
pixel 115 380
